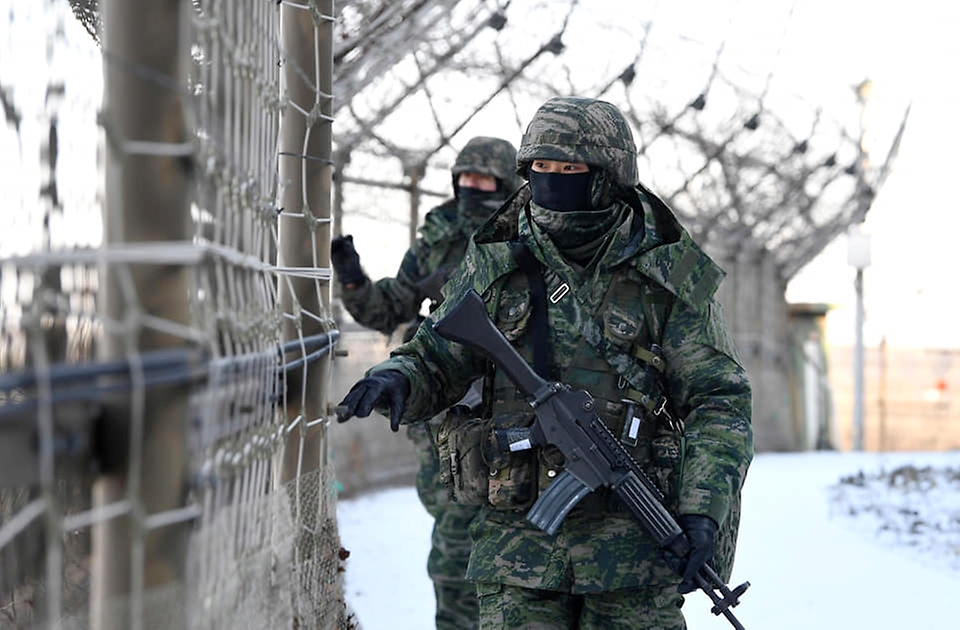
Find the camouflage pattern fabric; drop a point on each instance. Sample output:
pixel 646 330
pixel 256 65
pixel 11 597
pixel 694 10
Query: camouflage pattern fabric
pixel 503 606
pixel 383 306
pixel 457 606
pixel 388 303
pixel 598 557
pixel 707 385
pixel 488 156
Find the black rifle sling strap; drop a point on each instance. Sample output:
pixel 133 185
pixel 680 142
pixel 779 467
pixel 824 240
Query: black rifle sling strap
pixel 529 264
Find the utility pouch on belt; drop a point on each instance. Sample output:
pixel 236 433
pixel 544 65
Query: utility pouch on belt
pixel 477 471
pixel 460 443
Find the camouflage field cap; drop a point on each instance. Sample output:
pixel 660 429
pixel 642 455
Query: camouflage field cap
pixel 574 129
pixel 488 156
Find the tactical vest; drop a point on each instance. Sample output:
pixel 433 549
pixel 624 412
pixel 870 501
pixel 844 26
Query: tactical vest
pixel 631 316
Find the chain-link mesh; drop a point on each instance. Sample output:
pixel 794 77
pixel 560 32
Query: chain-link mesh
pixel 164 368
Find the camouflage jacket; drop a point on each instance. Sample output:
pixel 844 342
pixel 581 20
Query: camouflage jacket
pixel 390 302
pixel 706 383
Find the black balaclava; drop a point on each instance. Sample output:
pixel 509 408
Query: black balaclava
pixel 563 192
pixel 575 210
pixel 474 206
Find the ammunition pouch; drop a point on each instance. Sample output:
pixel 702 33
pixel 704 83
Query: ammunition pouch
pixel 485 462
pixel 477 470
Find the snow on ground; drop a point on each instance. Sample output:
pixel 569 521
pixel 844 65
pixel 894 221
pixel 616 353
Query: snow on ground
pixel 828 541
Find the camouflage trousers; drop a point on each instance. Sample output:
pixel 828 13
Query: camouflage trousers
pixel 504 606
pixel 450 540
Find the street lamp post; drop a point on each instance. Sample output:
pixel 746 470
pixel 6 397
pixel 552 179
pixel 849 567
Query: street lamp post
pixel 858 255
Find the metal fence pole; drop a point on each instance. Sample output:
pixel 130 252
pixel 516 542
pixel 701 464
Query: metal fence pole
pixel 146 201
pixel 858 255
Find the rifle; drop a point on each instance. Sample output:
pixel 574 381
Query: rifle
pixel 594 457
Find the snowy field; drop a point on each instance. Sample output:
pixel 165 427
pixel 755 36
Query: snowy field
pixel 828 541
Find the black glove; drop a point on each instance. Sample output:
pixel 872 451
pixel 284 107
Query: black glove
pixel 701 532
pixel 387 388
pixel 430 286
pixel 346 261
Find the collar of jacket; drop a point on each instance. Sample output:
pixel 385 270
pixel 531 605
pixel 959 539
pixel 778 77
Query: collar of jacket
pixel 665 253
pixel 440 223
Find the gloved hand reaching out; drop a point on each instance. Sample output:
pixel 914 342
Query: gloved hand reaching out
pixel 346 261
pixel 387 388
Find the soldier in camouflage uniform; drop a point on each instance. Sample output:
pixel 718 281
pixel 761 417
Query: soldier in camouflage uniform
pixel 631 317
pixel 483 177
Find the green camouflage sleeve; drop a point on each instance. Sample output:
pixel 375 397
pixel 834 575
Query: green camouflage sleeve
pixel 440 371
pixel 711 392
pixel 389 302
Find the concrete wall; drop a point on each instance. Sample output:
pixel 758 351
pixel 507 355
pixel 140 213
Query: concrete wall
pixel 755 308
pixel 910 398
pixel 364 451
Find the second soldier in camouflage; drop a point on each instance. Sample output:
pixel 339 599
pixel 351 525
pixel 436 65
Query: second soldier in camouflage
pixel 483 177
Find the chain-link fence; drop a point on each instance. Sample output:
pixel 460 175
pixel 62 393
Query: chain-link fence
pixel 165 336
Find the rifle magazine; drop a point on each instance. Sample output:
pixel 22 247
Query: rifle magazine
pixel 553 505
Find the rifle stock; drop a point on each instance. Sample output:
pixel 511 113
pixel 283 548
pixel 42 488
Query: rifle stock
pixel 593 456
pixel 468 323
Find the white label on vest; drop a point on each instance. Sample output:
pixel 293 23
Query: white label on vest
pixel 521 445
pixel 634 428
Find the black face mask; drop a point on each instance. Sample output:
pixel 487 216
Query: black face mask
pixel 474 206
pixel 564 192
pixel 477 196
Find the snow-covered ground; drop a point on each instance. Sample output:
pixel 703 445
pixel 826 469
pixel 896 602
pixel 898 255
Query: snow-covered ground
pixel 843 541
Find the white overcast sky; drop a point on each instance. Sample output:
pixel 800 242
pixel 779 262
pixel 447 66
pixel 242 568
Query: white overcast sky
pixel 910 286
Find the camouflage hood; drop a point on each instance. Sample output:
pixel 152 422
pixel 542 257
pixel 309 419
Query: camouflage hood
pixel 661 248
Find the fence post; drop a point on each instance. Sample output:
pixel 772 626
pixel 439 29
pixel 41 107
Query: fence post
pixel 414 171
pixel 143 452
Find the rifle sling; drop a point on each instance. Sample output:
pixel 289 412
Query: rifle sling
pixel 530 266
